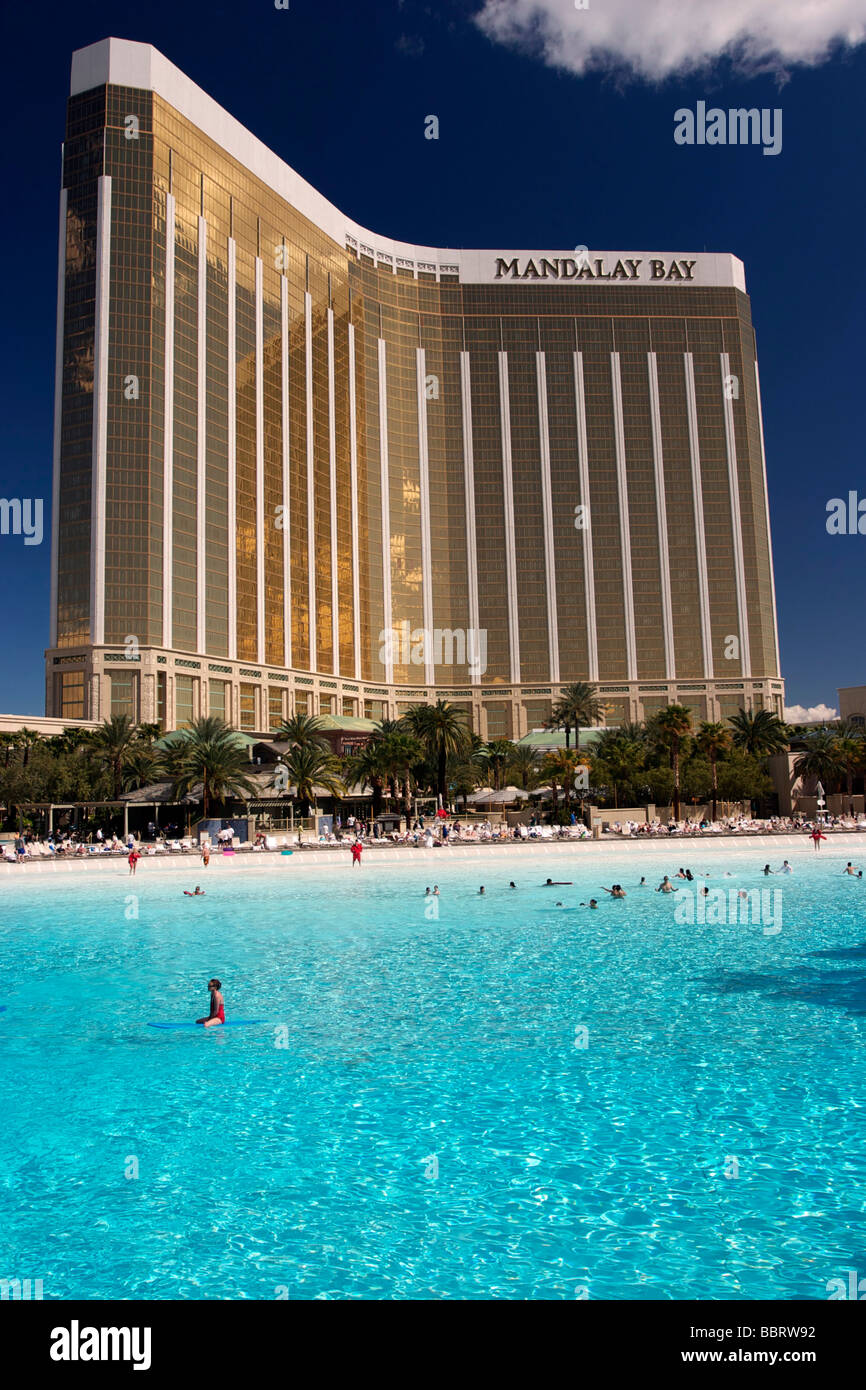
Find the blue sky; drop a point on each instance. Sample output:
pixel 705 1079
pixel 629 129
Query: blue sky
pixel 529 155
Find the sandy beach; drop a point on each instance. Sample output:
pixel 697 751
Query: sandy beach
pixel 674 851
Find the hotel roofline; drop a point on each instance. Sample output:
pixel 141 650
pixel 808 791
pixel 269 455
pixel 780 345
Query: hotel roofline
pixel 123 63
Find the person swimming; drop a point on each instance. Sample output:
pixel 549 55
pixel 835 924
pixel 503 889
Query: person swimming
pixel 199 893
pixel 666 886
pixel 217 1004
pixel 427 892
pixel 480 892
pixel 512 885
pixel 557 883
pixel 767 870
pixel 436 893
pixel 681 874
pixel 850 870
pixel 642 883
pixel 616 890
pixel 786 868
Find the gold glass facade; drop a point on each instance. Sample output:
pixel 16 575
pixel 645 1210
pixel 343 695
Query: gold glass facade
pixel 308 445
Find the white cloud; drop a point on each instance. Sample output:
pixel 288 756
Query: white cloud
pixel 654 39
pixel 815 714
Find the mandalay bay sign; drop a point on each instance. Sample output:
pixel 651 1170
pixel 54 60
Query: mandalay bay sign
pixel 595 268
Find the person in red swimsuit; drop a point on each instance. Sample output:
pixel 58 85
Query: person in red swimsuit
pixel 217 1005
pixel 356 853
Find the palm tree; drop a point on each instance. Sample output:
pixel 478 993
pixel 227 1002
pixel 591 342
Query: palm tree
pixel 7 742
pixel 140 766
pixel 366 766
pixel 714 740
pixel 25 739
pixel 523 764
pixel 822 758
pixel 499 752
pixel 208 751
pixel 851 751
pixel 441 729
pixel 404 752
pixel 759 732
pixel 113 745
pixel 303 731
pixel 560 767
pixel 467 770
pixel 577 705
pixel 622 754
pixel 674 725
pixel 309 767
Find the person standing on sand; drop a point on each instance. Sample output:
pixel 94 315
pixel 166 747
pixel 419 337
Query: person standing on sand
pixel 134 857
pixel 205 853
pixel 817 837
pixel 356 853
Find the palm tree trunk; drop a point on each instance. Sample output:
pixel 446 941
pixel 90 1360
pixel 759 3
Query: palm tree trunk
pixel 442 780
pixel 676 758
pixel 407 797
pixel 715 785
pixel 568 735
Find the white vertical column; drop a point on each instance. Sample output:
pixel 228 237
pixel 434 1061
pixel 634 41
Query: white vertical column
pixel 586 533
pixel 508 494
pixel 426 547
pixel 168 435
pixel 698 496
pixel 232 450
pixel 100 412
pixel 58 421
pixel 311 482
pixel 201 440
pixel 386 512
pixel 284 402
pixel 332 464
pixel 736 520
pixel 547 510
pixel 775 670
pixel 469 482
pixel 624 524
pixel 661 517
pixel 353 466
pixel 260 467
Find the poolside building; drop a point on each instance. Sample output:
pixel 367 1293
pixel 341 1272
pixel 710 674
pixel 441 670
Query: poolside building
pixel 302 466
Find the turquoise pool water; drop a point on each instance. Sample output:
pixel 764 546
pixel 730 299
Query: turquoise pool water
pixel 430 1128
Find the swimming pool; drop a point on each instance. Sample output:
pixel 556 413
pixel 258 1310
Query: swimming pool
pixel 419 1117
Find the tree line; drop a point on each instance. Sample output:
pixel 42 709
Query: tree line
pixel 432 751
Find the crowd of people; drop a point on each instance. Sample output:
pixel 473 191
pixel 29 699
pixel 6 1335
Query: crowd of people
pixel 439 831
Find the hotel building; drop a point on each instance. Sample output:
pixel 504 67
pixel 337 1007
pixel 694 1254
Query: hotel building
pixel 281 438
